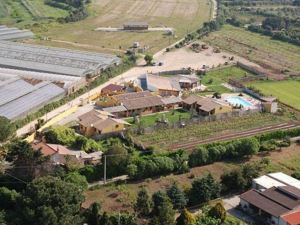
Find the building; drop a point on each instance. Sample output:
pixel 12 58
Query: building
pixel 113 89
pixel 19 97
pixel 95 123
pixel 172 85
pixel 269 104
pixel 136 26
pixel 205 105
pixel 69 83
pixel 273 205
pixel 135 103
pixel 274 180
pixel 36 58
pixel 13 34
pixel 60 155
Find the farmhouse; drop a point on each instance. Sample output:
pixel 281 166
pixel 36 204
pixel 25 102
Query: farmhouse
pixel 54 60
pixel 205 105
pixel 135 26
pixel 273 205
pixel 60 154
pixel 95 123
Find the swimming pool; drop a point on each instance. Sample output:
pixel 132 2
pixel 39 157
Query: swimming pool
pixel 236 100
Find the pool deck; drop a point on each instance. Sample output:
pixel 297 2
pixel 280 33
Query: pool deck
pixel 255 104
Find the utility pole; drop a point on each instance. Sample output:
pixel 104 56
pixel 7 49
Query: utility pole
pixel 104 169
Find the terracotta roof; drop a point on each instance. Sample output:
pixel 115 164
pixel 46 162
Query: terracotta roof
pixel 115 109
pixel 192 99
pixel 132 95
pixel 44 148
pixel 205 104
pixel 144 102
pixel 113 88
pixel 171 100
pixel 292 218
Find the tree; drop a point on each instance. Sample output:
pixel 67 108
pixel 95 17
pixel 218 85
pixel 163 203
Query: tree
pixel 116 160
pixel 206 220
pixel 218 212
pixel 204 189
pixel 77 179
pixel 148 58
pixel 177 196
pixel 249 146
pixel 233 181
pixel 2 218
pixel 60 135
pixel 143 203
pixel 93 214
pixel 50 200
pixel 185 218
pixel 164 213
pixel 199 157
pixel 6 129
pixel 8 198
pixel 25 159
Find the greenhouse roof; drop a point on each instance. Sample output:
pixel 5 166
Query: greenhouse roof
pixel 10 34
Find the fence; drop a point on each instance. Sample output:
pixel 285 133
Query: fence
pixel 194 120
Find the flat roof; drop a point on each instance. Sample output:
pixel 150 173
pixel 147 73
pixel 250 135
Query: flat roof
pixel 267 182
pixel 53 60
pixel 286 179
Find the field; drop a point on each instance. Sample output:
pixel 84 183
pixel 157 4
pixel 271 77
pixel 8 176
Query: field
pixel 286 91
pixel 172 117
pixel 20 13
pixel 119 197
pixel 261 49
pixel 183 15
pixel 165 139
pixel 215 78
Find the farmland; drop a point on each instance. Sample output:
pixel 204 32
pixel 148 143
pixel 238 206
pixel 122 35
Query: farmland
pixel 27 11
pixel 261 49
pixel 166 138
pixel 183 15
pixel 285 91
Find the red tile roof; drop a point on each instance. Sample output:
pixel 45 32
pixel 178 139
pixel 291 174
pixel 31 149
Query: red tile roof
pixel 45 149
pixel 292 218
pixel 113 88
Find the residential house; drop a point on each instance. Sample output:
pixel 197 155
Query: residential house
pixel 95 123
pixel 113 89
pixel 273 205
pixel 205 105
pixel 291 218
pixel 60 155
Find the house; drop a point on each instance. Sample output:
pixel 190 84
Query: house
pixel 274 180
pixel 60 155
pixel 269 104
pixel 135 26
pixel 171 102
pixel 113 89
pixel 95 123
pixel 205 105
pixel 172 85
pixel 273 205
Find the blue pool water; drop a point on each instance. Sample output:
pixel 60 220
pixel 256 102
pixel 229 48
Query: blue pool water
pixel 236 100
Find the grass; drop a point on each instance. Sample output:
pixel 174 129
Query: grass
pixel 172 117
pixel 215 78
pixel 286 91
pixel 164 139
pixel 257 48
pixel 184 16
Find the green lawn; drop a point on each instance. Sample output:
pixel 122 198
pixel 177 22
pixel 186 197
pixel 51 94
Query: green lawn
pixel 286 91
pixel 214 78
pixel 172 116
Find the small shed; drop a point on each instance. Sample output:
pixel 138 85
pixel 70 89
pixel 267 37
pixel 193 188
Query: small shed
pixel 136 26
